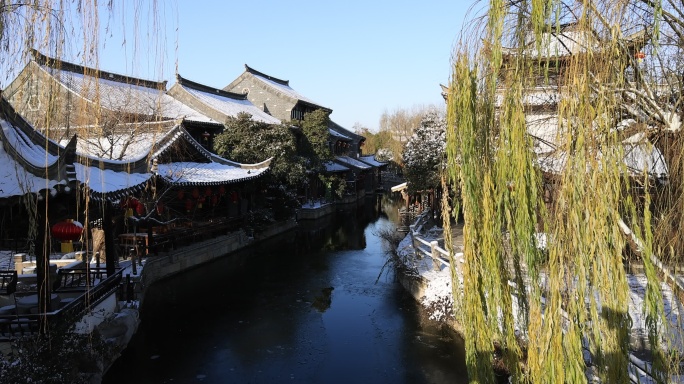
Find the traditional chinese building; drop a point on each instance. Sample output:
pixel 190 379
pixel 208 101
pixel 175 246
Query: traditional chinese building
pixel 110 112
pixel 551 60
pixel 276 97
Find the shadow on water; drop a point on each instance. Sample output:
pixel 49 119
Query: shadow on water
pixel 306 307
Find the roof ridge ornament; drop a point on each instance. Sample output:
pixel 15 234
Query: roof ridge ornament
pixel 94 72
pixel 261 74
pixel 205 88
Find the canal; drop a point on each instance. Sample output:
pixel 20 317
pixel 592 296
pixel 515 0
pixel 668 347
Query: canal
pixel 317 305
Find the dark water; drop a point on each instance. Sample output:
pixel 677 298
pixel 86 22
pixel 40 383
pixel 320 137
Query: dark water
pixel 313 306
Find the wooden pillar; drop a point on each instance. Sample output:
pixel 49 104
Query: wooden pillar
pixel 150 240
pixel 110 249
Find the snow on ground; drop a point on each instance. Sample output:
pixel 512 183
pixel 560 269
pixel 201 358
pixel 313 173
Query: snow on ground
pixel 7 262
pixel 438 296
pixel 314 204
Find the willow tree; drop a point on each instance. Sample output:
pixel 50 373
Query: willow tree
pixel 74 29
pixel 546 103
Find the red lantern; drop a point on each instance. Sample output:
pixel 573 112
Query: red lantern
pixel 214 200
pixel 140 209
pixel 160 208
pixel 181 194
pixel 188 205
pixel 207 192
pixel 640 55
pixel 222 190
pixel 234 197
pixel 200 201
pixel 67 231
pixel 195 193
pixel 129 202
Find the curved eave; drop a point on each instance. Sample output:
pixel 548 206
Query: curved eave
pixel 52 170
pixel 345 132
pixel 264 164
pixel 203 124
pixel 175 134
pixel 213 182
pixel 314 105
pixel 210 183
pixel 116 194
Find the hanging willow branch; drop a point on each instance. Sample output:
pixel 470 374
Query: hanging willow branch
pixel 557 311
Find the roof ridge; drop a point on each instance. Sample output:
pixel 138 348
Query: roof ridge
pixel 261 74
pixel 205 88
pixel 81 69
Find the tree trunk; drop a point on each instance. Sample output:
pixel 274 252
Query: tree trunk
pixel 110 250
pixel 42 250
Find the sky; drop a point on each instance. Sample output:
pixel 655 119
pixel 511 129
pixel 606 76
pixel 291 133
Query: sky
pixel 359 58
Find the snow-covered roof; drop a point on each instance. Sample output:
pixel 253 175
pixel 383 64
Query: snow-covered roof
pixel 189 173
pixel 124 147
pixel 15 180
pixel 118 93
pixel 543 127
pixel 639 153
pixel 338 135
pixel 282 86
pixel 370 160
pixel 34 154
pixel 570 40
pixel 226 103
pixel 567 41
pixel 535 97
pixel 352 163
pixel 637 158
pixel 32 163
pixel 340 130
pixel 331 166
pixel 107 181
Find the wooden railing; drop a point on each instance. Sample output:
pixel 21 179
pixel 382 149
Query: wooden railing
pixel 60 320
pixel 179 235
pixel 79 278
pixel 429 248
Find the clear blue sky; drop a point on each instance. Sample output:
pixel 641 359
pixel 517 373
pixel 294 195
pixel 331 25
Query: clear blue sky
pixel 359 58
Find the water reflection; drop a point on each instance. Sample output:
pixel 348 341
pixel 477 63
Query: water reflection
pixel 307 307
